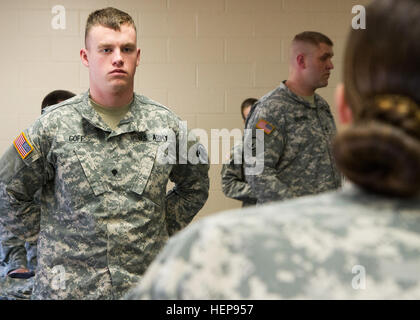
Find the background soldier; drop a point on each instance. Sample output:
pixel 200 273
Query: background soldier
pixel 298 127
pixel 55 97
pixel 234 184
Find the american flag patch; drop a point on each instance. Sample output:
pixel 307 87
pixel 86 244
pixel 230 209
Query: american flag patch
pixel 264 125
pixel 23 146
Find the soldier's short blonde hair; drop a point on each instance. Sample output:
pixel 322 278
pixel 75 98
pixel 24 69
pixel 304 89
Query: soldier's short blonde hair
pixel 108 17
pixel 313 37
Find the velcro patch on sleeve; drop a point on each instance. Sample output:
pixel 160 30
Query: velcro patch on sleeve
pixel 22 145
pixel 265 125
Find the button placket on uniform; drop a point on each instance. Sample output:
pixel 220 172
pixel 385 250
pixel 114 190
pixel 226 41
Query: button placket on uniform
pixel 114 160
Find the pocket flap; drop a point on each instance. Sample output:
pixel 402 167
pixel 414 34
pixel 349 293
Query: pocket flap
pixel 147 151
pixel 90 170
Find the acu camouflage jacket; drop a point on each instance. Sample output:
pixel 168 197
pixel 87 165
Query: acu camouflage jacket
pixel 105 212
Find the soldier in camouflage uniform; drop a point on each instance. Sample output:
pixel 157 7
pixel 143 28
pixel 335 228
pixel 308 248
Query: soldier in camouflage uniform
pixel 361 242
pixel 298 127
pixel 234 184
pixel 17 257
pixel 104 210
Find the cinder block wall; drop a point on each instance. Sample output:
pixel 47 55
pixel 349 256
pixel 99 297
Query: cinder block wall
pixel 201 58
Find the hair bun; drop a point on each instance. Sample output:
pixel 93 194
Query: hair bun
pixel 379 157
pixel 397 110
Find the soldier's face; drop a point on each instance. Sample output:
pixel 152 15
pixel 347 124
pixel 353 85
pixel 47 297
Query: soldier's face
pixel 245 112
pixel 112 57
pixel 319 66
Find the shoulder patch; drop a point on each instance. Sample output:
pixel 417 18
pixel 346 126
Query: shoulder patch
pixel 265 125
pixel 23 146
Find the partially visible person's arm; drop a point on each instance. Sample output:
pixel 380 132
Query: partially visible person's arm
pixel 233 180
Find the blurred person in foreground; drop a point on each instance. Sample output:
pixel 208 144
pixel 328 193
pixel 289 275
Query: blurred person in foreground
pixel 234 184
pixel 17 257
pixel 361 242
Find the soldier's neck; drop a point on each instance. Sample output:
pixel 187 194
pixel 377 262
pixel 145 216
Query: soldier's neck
pixel 111 99
pixel 299 89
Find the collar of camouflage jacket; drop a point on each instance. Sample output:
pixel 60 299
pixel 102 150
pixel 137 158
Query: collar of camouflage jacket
pixel 358 194
pixel 134 121
pixel 317 98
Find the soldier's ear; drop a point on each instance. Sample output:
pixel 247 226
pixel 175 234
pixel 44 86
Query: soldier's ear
pixel 345 114
pixel 300 60
pixel 84 57
pixel 138 56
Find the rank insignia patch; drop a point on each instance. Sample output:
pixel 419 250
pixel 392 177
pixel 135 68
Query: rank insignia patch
pixel 265 125
pixel 23 146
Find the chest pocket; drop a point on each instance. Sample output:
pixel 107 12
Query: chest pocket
pixel 127 167
pixel 77 179
pixel 328 123
pixel 144 154
pixel 90 171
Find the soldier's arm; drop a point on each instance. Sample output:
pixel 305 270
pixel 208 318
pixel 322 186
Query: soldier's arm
pixel 234 184
pixel 21 175
pixel 266 185
pixel 191 188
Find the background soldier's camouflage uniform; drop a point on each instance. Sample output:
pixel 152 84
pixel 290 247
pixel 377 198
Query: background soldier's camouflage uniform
pixel 104 210
pixel 341 245
pixel 16 289
pixel 297 154
pixel 12 252
pixel 233 179
pixel 13 256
